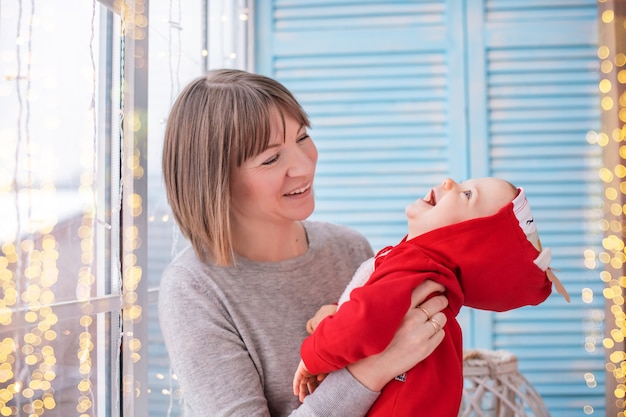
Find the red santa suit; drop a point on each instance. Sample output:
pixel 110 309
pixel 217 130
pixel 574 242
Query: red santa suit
pixel 487 263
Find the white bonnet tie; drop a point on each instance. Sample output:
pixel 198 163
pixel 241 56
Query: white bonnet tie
pixel 521 208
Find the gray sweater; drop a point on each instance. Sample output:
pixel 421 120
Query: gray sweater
pixel 234 333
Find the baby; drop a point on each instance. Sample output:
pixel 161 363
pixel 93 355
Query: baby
pixel 479 240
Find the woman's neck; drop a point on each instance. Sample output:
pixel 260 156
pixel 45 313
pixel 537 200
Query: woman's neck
pixel 270 242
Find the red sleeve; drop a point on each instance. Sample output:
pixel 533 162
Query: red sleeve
pixel 366 324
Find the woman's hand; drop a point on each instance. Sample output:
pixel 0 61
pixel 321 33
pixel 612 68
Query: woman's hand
pixel 418 335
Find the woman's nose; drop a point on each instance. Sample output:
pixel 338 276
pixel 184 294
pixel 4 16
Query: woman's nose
pixel 302 162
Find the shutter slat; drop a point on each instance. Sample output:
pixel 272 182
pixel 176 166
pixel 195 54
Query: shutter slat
pixel 402 94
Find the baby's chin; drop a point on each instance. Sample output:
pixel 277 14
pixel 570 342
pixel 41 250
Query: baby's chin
pixel 416 209
pixel 416 228
pixel 411 214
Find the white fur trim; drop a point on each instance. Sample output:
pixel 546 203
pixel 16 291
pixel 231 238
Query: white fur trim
pixel 521 208
pixel 359 279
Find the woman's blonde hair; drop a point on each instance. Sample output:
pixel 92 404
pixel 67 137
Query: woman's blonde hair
pixel 218 120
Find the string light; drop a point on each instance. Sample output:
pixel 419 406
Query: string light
pixel 28 267
pixel 612 57
pixel 86 234
pixel 175 28
pixel 133 26
pixel 33 262
pixel 29 251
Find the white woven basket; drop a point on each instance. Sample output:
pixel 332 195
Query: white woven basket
pixel 493 387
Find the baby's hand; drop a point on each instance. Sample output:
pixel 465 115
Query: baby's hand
pixel 322 313
pixel 304 382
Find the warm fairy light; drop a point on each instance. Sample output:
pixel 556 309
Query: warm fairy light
pixel 607 16
pixel 613 253
pixel 133 25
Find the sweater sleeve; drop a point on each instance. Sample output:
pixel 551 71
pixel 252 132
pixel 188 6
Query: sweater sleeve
pixel 340 395
pixel 215 370
pixel 367 323
pixel 199 336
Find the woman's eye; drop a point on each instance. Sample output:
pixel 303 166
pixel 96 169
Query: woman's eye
pixel 468 194
pixel 271 160
pixel 303 138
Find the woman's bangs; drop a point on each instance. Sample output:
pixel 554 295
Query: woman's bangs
pixel 253 131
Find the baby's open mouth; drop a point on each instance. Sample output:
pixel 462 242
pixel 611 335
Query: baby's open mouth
pixel 431 198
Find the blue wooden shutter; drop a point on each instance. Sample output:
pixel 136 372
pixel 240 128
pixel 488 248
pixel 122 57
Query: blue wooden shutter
pixel 376 79
pixel 533 99
pixel 404 93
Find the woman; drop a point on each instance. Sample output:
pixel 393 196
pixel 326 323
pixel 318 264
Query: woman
pixel 238 166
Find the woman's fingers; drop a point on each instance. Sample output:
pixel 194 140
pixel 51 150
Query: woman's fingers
pixel 436 323
pixel 435 338
pixel 420 332
pixel 421 292
pixel 432 306
pixel 428 307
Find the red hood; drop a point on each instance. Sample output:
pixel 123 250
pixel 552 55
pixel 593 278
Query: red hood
pixel 493 259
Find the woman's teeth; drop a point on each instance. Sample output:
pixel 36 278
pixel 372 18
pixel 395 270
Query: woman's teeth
pixel 298 191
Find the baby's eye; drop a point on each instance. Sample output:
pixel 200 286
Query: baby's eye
pixel 468 194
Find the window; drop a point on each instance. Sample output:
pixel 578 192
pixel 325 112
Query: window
pixel 85 229
pixel 60 290
pixel 77 312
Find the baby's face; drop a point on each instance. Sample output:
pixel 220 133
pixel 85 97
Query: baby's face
pixel 451 202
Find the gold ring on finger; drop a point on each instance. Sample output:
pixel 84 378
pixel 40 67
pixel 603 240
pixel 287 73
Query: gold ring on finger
pixel 436 325
pixel 425 312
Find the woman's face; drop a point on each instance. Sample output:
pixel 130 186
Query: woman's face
pixel 277 184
